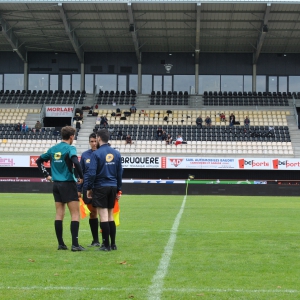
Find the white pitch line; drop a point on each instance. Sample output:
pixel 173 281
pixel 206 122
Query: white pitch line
pixel 177 290
pixel 156 287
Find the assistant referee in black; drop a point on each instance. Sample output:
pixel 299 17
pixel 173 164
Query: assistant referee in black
pixel 104 182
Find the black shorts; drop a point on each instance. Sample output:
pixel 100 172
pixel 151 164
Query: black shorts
pixel 104 197
pixel 85 199
pixel 65 191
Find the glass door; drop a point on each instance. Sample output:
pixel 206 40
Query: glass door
pixel 282 86
pixel 122 83
pixel 273 84
pixel 157 83
pixel 66 82
pixel 53 82
pixel 168 83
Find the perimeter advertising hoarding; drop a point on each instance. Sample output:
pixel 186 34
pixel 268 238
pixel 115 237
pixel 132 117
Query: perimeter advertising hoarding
pixel 142 162
pixel 59 111
pixel 158 162
pixel 14 161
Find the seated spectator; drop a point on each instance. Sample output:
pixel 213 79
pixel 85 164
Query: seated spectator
pixel 37 126
pixel 133 109
pixel 159 133
pixel 199 122
pixel 179 140
pixel 164 136
pixel 129 139
pixel 24 127
pixel 222 117
pixel 18 127
pixel 247 121
pixel 120 134
pixel 118 112
pixel 169 139
pixel 232 120
pixel 104 121
pixel 208 121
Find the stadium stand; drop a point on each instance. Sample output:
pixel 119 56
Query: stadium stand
pixel 42 97
pixel 245 99
pixel 170 98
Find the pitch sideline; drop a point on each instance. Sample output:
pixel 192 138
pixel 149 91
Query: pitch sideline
pixel 156 287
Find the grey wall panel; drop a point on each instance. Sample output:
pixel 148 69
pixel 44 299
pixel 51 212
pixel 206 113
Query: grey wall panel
pixel 52 63
pixel 225 64
pixel 10 62
pixel 118 60
pixel 183 63
pixel 273 64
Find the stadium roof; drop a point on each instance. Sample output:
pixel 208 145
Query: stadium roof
pixel 150 26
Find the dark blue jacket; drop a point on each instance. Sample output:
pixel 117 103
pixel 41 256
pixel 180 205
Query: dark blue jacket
pixel 85 164
pixel 105 168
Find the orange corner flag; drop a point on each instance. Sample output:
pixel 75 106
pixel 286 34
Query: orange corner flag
pixel 84 211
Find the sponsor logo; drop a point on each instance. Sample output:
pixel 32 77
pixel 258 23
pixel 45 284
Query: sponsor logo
pixel 33 163
pixel 6 162
pixel 176 161
pixel 109 157
pixel 60 109
pixel 252 163
pixel 277 163
pixel 57 155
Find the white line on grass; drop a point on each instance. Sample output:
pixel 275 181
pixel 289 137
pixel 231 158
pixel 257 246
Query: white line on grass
pixel 156 287
pixel 177 290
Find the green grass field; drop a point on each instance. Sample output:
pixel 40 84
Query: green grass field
pixel 204 247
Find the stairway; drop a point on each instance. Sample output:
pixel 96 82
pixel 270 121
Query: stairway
pixel 82 142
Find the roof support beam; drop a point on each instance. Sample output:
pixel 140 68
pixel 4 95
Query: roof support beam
pixel 197 48
pixel 262 34
pixel 71 34
pixel 16 45
pixel 133 32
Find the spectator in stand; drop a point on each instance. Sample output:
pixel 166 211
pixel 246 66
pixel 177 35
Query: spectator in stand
pixel 129 139
pixel 37 126
pixel 164 136
pixel 169 139
pixel 24 127
pixel 18 127
pixel 247 121
pixel 104 121
pixel 208 121
pixel 118 112
pixel 222 117
pixel 159 133
pixel 179 140
pixel 199 122
pixel 232 120
pixel 133 109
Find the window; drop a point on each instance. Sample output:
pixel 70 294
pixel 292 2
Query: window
pixel 184 83
pixel 294 83
pixel 106 82
pixel 89 83
pixel 53 82
pixel 232 83
pixel 133 82
pixel 209 83
pixel 146 84
pixel 247 83
pixel 38 82
pixel 261 83
pixel 13 81
pixel 76 78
